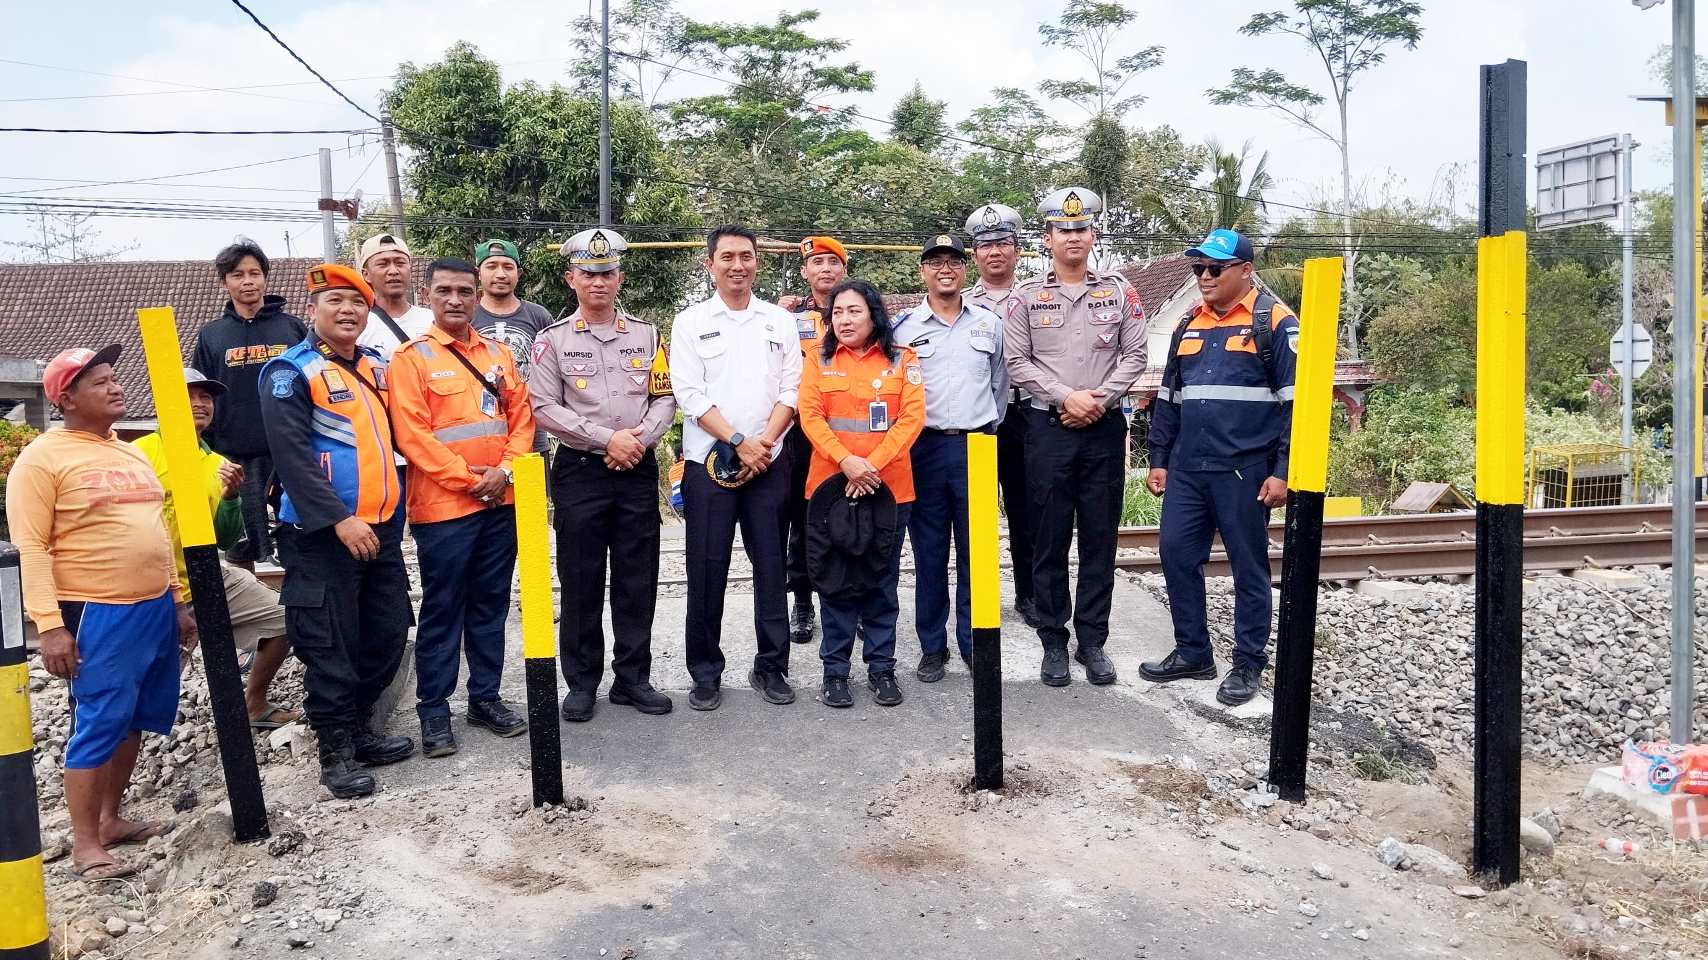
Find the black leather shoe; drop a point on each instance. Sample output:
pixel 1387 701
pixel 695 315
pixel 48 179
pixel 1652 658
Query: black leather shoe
pixel 338 771
pixel 801 619
pixel 1098 669
pixel 772 686
pixel 1027 607
pixel 373 750
pixel 642 697
pixel 885 691
pixel 1054 671
pixel 1241 684
pixel 496 715
pixel 578 705
pixel 705 696
pixel 931 667
pixel 1176 667
pixel 437 740
pixel 835 693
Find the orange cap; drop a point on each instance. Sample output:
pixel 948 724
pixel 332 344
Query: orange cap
pixel 63 370
pixel 336 276
pixel 813 246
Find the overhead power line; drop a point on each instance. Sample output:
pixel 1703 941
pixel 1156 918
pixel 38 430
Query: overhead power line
pixel 184 133
pixel 317 74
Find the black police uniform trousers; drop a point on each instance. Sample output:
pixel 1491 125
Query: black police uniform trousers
pixel 1075 474
pixel 600 513
pixel 798 582
pixel 712 513
pixel 1016 497
pixel 347 620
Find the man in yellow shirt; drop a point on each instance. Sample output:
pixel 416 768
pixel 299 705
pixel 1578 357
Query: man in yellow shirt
pixel 257 617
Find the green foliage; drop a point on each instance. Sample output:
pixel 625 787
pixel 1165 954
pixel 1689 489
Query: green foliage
pixel 1235 195
pixel 917 120
pixel 1012 169
pixel 1103 156
pixel 1410 434
pixel 1139 506
pixel 1091 29
pixel 13 438
pixel 646 37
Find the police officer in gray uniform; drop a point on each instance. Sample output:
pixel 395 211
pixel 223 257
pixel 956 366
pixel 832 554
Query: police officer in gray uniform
pixel 601 386
pixel 995 230
pixel 1075 342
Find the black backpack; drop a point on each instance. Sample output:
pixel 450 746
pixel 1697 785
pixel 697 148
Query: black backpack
pixel 1261 332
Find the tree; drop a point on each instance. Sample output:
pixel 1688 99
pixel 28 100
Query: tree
pixel 645 40
pixel 1350 37
pixel 1236 196
pixel 1160 160
pixel 64 238
pixel 1015 166
pixel 917 120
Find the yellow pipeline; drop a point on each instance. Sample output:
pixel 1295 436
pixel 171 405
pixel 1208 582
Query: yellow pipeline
pixel 533 557
pixel 982 530
pixel 1500 368
pixel 177 427
pixel 774 247
pixel 1313 381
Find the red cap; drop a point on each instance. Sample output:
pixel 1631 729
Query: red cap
pixel 62 371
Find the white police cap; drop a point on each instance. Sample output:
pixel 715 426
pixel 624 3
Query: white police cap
pixel 993 221
pixel 1071 208
pixel 596 251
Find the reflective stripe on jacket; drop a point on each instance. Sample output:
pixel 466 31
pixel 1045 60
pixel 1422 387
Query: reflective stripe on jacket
pixel 447 421
pixel 837 416
pixel 329 435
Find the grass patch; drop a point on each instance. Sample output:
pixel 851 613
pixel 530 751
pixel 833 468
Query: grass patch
pixel 1140 507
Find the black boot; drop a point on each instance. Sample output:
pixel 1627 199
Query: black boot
pixel 1098 668
pixel 1054 670
pixel 1027 607
pixel 374 750
pixel 338 770
pixel 801 619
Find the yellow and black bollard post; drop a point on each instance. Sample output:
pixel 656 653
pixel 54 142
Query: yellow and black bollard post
pixel 539 645
pixel 23 898
pixel 982 566
pixel 1301 552
pixel 1497 757
pixel 207 583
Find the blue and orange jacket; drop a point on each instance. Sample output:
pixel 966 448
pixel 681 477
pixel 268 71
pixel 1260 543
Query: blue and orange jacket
pixel 329 435
pixel 1222 413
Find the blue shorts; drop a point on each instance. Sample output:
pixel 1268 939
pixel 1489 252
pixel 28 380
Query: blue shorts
pixel 127 676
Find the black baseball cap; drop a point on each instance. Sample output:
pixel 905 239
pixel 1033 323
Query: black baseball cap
pixel 943 241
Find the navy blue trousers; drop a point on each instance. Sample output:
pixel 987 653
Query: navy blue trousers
pixel 939 513
pixel 712 514
pixel 1196 506
pixel 466 566
pixel 872 614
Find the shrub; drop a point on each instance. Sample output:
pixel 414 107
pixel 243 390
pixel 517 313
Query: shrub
pixel 13 438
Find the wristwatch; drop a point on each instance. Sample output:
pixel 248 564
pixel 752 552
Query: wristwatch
pixel 737 439
pixel 509 475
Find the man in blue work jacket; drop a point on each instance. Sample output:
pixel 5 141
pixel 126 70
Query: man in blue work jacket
pixel 1218 446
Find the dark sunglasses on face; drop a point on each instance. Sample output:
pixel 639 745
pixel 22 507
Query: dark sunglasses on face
pixel 1214 269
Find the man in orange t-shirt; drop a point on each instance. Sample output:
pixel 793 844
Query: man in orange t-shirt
pixel 101 586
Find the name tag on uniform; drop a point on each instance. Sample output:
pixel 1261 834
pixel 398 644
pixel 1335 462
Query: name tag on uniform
pixel 878 413
pixel 488 404
pixel 806 326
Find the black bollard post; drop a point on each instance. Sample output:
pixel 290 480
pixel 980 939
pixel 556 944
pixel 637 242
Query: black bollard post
pixel 539 643
pixel 23 896
pixel 982 566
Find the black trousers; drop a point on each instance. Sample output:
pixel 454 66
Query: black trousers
pixel 1076 477
pixel 712 513
pixel 347 621
pixel 257 539
pixel 795 511
pixel 602 513
pixel 1016 498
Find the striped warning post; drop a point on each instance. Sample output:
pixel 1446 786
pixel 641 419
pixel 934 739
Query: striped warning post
pixel 982 566
pixel 23 898
pixel 539 643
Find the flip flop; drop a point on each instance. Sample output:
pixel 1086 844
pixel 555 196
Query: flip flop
pixel 105 870
pixel 266 721
pixel 141 833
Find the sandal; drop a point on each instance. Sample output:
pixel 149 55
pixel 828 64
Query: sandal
pixel 270 719
pixel 105 870
pixel 141 833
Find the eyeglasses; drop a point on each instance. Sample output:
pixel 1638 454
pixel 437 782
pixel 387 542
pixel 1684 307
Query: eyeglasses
pixel 939 263
pixel 1214 269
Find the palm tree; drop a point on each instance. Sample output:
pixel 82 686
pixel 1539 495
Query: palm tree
pixel 1237 196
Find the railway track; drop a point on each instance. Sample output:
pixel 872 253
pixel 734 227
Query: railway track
pixel 1444 544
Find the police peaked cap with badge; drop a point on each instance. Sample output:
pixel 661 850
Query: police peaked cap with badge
pixel 1223 245
pixel 1071 208
pixel 993 222
pixel 599 250
pixel 336 276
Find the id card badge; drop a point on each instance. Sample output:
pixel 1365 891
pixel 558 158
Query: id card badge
pixel 879 414
pixel 488 404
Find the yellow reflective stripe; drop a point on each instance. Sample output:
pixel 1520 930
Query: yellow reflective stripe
pixel 15 735
pixel 982 530
pixel 471 431
pixel 1500 368
pixel 533 557
pixel 23 903
pixel 1313 376
pixel 177 428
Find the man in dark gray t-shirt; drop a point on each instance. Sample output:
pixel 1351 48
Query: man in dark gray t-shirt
pixel 505 317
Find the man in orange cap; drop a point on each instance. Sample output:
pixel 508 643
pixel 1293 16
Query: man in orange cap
pixel 824 264
pixel 346 594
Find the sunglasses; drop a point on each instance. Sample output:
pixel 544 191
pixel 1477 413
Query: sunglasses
pixel 1214 269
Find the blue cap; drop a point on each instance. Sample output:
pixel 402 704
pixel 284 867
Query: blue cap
pixel 1223 245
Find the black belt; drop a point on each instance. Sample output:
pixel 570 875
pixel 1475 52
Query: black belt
pixel 958 432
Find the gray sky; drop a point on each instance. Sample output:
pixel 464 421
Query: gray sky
pixel 1414 119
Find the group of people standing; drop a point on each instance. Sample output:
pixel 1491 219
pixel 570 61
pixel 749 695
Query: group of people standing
pixel 827 432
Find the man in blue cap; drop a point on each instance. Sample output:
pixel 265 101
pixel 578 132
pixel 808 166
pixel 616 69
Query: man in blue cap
pixel 1218 445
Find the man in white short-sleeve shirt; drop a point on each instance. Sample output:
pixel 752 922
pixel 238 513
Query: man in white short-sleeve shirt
pixel 385 264
pixel 735 367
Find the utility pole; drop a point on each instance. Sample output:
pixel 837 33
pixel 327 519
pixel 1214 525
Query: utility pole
pixel 605 113
pixel 1628 366
pixel 395 185
pixel 328 232
pixel 1685 160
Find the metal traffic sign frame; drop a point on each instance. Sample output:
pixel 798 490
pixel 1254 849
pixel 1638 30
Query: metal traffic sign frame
pixel 1579 183
pixel 1643 350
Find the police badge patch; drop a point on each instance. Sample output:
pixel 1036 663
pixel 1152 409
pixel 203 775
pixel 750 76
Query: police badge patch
pixel 283 383
pixel 914 376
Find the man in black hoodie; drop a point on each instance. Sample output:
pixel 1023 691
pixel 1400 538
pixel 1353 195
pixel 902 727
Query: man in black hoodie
pixel 253 329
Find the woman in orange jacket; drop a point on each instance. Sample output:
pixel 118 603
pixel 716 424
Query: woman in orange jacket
pixel 862 406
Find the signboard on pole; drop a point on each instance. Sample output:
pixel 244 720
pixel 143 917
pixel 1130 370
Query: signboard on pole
pixel 1641 348
pixel 1579 183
